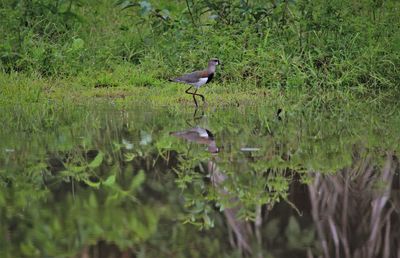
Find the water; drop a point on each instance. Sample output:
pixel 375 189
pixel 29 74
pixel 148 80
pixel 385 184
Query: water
pixel 242 182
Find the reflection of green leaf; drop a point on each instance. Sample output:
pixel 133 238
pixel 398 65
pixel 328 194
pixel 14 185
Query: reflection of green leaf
pixel 293 226
pixel 292 233
pixel 145 138
pixel 28 248
pixel 109 181
pixel 92 184
pixel 97 161
pixel 129 157
pixel 272 229
pixel 117 146
pixel 138 180
pixel 308 237
pixel 92 201
pixel 208 223
pixel 164 143
pixel 76 169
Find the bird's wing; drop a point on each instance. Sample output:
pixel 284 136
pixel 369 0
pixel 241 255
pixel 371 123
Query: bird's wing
pixel 192 77
pixel 192 134
pixel 188 135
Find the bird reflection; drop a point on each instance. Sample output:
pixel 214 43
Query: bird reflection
pixel 241 230
pixel 200 136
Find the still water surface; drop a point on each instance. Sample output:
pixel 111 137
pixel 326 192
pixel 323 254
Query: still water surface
pixel 217 183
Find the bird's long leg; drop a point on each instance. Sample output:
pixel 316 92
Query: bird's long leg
pixel 195 118
pixel 194 98
pixel 193 94
pixel 197 94
pixel 202 97
pixel 187 91
pixel 194 114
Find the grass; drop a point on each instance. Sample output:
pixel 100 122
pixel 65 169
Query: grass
pixel 126 89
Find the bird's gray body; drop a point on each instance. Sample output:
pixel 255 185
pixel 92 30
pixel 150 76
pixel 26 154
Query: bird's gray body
pixel 199 78
pixel 198 135
pixel 193 79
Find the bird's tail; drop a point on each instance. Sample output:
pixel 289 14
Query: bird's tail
pixel 178 133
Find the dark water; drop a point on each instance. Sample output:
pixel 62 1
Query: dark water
pixel 240 182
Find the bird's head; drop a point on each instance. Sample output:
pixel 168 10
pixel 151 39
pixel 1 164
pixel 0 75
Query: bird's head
pixel 212 148
pixel 214 62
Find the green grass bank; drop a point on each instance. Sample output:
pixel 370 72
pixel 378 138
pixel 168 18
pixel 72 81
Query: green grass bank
pixel 124 51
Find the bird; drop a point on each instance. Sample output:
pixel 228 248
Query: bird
pixel 197 79
pixel 198 135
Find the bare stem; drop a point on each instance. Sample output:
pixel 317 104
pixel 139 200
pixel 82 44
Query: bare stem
pixel 190 12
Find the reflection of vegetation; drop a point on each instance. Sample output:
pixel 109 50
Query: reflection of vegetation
pixel 81 180
pixel 353 211
pixel 104 177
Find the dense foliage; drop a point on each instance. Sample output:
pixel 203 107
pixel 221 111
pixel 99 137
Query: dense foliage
pixel 291 44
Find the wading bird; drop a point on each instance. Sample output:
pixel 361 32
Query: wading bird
pixel 198 78
pixel 198 135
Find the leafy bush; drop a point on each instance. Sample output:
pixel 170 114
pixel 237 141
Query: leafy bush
pixel 34 33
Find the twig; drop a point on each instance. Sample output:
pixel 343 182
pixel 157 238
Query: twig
pixel 190 12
